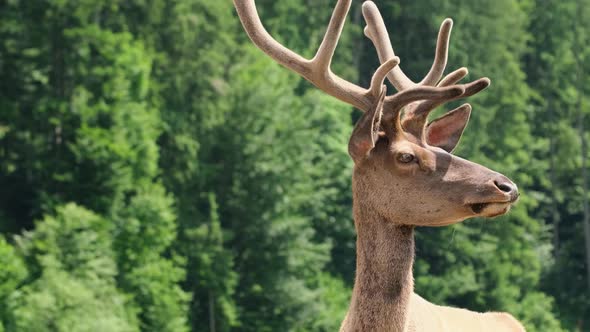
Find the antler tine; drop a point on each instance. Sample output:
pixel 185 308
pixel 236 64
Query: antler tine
pixel 472 88
pixel 376 31
pixel 416 117
pixel 441 54
pixel 251 21
pixel 437 95
pixel 380 74
pixel 454 77
pixel 317 70
pixel 323 57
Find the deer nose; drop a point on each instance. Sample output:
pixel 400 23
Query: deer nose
pixel 507 186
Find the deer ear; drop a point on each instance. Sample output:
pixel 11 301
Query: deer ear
pixel 446 131
pixel 366 131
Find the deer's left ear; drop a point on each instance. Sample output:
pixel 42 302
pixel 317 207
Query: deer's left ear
pixel 446 131
pixel 366 131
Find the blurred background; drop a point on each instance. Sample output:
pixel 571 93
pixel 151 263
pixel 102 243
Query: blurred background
pixel 160 173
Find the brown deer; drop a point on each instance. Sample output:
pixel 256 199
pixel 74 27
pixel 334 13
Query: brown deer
pixel 404 174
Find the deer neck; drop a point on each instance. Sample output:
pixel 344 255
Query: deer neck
pixel 384 281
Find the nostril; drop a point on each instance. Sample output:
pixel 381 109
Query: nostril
pixel 504 186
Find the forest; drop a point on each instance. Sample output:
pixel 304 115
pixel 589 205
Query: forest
pixel 160 173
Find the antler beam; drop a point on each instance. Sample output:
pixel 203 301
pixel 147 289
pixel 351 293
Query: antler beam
pixel 316 70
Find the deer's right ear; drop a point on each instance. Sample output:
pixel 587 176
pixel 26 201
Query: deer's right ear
pixel 446 131
pixel 366 131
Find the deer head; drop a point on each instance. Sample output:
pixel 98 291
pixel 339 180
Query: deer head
pixel 404 169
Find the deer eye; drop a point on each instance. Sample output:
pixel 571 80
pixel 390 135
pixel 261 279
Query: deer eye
pixel 405 158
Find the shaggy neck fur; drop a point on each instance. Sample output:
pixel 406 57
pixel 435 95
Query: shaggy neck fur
pixel 384 281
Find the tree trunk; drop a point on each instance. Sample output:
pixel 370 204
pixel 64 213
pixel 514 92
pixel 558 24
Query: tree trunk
pixel 211 311
pixel 586 205
pixel 583 142
pixel 555 217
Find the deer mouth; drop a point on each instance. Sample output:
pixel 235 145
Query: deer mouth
pixel 492 209
pixel 477 208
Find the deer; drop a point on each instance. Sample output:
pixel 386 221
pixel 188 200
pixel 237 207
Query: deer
pixel 405 175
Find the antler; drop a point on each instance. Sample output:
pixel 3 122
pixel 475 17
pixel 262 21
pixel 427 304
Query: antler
pixel 417 113
pixel 317 70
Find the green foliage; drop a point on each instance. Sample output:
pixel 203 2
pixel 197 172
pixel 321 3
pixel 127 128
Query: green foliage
pixel 74 288
pixel 211 272
pixel 91 113
pixel 332 309
pixel 535 312
pixel 74 240
pixel 145 230
pixel 92 139
pixel 59 302
pixel 265 199
pixel 560 109
pixel 13 269
pixel 12 274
